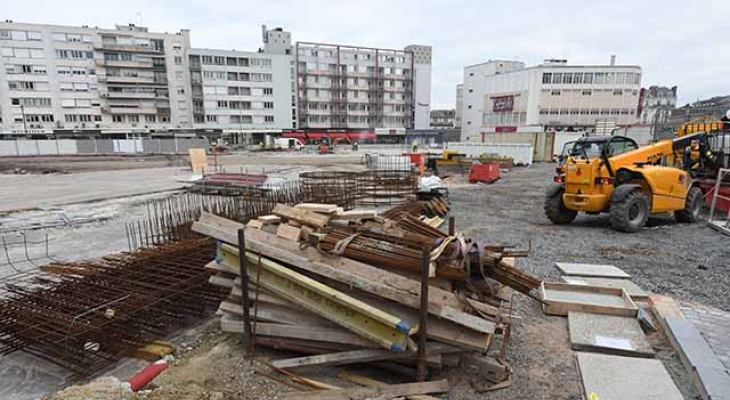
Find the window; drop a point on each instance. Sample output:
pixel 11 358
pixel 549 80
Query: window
pixel 4 34
pixel 620 78
pixel 150 118
pixel 117 118
pixel 555 93
pixel 268 91
pixel 557 77
pixel 268 104
pixel 568 78
pixel 208 60
pixel 598 78
pixel 211 118
pixel 132 118
pixel 588 78
pixel 31 102
pixel 618 92
pixel 269 118
pixel 547 77
pixel 578 78
pixel 178 60
pixel 222 104
pixel 587 92
pixel 619 145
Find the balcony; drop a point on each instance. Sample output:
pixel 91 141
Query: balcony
pixel 129 48
pixel 129 95
pixel 125 63
pixel 129 79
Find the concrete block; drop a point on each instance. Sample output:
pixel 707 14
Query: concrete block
pixel 625 378
pixel 713 383
pixel 689 343
pixel 608 334
pixel 591 270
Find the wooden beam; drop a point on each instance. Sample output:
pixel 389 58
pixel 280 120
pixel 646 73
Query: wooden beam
pixel 369 382
pixel 385 329
pixel 301 215
pixel 361 356
pixel 388 391
pixel 288 232
pixel 318 334
pixel 269 219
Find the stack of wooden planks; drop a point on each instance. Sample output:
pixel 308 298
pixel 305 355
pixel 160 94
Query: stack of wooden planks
pixel 351 293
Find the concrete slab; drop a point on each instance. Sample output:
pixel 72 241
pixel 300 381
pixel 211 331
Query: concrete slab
pixel 591 270
pixel 692 347
pixel 633 290
pixel 608 334
pixel 598 299
pixel 713 383
pixel 625 378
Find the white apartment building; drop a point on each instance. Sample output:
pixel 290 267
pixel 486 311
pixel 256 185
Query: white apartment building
pixel 507 96
pixel 61 80
pixel 241 92
pixel 350 87
pixel 459 105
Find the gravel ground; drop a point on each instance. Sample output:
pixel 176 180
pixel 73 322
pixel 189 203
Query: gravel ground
pixel 684 261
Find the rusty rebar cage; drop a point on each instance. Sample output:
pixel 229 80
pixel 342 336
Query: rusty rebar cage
pixel 332 187
pixel 387 187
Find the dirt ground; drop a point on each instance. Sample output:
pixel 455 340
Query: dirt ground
pixel 687 262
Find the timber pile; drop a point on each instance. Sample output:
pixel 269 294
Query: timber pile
pixel 350 292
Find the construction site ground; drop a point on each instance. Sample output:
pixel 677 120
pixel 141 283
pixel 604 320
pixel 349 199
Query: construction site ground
pixel 685 261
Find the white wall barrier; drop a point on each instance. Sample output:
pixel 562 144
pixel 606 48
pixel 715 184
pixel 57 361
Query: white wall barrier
pixel 23 147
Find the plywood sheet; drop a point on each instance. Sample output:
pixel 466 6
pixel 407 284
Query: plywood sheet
pixel 608 334
pixel 632 289
pixel 625 378
pixel 594 270
pixel 198 160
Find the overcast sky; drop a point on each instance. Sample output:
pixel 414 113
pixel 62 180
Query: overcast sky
pixel 684 43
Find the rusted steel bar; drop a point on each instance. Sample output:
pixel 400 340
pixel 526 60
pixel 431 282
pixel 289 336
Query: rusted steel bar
pixel 423 323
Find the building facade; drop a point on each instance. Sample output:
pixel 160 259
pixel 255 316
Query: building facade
pixel 237 93
pixel 63 80
pixel 507 96
pixel 442 119
pixel 348 87
pixel 657 102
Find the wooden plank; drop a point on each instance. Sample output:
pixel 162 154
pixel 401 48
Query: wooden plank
pixel 389 391
pixel 301 332
pixel 361 356
pixel 369 382
pixel 288 232
pixel 385 329
pixel 301 215
pixel 560 298
pixel 385 284
pixel 283 315
pixel 318 207
pixel 355 214
pixel 269 219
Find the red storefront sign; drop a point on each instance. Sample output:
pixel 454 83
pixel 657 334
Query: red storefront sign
pixel 503 103
pixel 501 129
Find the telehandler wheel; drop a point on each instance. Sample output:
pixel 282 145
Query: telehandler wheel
pixel 556 211
pixel 630 213
pixel 692 206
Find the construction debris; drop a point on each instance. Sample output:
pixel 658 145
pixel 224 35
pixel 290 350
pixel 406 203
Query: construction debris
pixel 351 293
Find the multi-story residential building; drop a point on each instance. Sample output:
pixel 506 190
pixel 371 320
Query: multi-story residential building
pixel 61 79
pixel 507 96
pixel 349 87
pixel 459 105
pixel 657 102
pixel 276 41
pixel 238 93
pixel 442 118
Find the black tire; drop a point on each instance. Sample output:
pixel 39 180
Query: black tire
pixel 630 213
pixel 556 211
pixel 692 207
